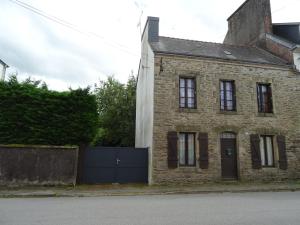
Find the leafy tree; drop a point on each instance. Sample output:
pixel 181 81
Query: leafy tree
pixel 116 107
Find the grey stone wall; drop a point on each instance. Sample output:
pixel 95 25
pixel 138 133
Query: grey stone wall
pixel 208 118
pixel 38 165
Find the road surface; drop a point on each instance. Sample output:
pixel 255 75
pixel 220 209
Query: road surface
pixel 271 208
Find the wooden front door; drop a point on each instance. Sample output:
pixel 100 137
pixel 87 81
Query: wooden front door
pixel 228 156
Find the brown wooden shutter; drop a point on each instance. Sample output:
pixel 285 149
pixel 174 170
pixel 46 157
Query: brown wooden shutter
pixel 269 99
pixel 282 152
pixel 172 150
pixel 234 95
pixel 255 151
pixel 203 150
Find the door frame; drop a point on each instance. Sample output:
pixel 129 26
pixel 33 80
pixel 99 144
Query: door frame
pixel 237 176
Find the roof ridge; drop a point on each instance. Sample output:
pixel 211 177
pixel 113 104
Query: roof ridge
pixel 286 23
pixel 282 39
pixel 210 42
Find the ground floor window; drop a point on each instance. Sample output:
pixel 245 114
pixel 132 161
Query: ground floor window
pixel 266 151
pixel 187 149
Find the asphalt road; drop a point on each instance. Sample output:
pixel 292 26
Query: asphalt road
pixel 281 208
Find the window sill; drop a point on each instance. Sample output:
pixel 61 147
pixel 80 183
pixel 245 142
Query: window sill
pixel 187 167
pixel 228 112
pixel 265 115
pixel 188 110
pixel 268 167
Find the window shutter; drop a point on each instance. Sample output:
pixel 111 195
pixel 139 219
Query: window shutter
pixel 282 152
pixel 172 149
pixel 255 151
pixel 259 102
pixel 234 96
pixel 270 101
pixel 203 150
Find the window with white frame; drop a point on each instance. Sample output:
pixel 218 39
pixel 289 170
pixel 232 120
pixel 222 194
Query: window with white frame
pixel 266 151
pixel 227 95
pixel 187 93
pixel 187 149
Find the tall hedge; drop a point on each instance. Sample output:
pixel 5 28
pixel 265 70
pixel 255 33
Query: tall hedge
pixel 32 114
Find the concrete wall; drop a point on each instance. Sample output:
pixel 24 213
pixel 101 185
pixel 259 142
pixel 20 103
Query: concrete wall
pixel 208 117
pixel 144 99
pixel 249 23
pixel 38 165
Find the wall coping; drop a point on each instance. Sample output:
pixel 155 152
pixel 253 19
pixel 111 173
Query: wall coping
pixel 37 146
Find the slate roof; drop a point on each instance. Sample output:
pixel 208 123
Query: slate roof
pixel 177 46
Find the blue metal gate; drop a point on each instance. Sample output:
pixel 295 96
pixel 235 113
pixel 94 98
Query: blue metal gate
pixel 115 165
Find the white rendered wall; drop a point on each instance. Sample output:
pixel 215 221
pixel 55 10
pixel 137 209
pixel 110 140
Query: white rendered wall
pixel 297 59
pixel 144 100
pixel 2 71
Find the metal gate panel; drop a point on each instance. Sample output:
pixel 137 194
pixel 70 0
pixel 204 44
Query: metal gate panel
pixel 115 165
pixel 100 165
pixel 132 165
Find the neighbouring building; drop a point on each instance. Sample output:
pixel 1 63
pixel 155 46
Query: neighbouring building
pixel 3 67
pixel 210 111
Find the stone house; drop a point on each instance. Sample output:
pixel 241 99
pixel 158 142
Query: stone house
pixel 209 111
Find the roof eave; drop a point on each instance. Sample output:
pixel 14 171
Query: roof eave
pixel 286 24
pixel 223 59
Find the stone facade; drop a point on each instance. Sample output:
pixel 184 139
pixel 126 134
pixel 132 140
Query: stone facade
pixel 208 117
pixel 159 118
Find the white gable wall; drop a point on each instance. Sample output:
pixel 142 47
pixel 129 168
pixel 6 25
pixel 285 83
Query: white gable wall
pixel 144 100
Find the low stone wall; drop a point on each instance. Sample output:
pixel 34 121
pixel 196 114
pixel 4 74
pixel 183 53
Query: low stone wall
pixel 38 165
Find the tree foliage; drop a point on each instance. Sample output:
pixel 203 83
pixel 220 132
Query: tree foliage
pixel 32 114
pixel 116 107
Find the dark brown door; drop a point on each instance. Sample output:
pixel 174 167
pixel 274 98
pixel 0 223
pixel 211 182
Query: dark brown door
pixel 228 156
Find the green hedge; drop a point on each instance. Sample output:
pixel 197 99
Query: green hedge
pixel 32 114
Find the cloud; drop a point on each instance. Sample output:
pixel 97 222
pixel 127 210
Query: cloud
pixel 110 39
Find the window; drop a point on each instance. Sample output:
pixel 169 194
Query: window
pixel 187 149
pixel 266 151
pixel 227 95
pixel 187 93
pixel 264 98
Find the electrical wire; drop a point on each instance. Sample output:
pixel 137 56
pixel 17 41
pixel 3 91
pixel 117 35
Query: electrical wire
pixel 71 26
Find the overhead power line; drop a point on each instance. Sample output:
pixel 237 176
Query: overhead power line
pixel 71 26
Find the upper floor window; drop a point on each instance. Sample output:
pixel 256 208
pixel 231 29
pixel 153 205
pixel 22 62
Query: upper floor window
pixel 227 95
pixel 264 98
pixel 187 93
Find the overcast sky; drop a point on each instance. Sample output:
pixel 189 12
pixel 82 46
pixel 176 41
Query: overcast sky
pixel 104 38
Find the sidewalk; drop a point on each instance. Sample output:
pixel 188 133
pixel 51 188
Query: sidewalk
pixel 132 190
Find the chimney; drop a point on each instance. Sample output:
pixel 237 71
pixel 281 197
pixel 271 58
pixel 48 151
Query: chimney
pixel 151 30
pixel 249 24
